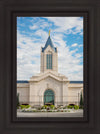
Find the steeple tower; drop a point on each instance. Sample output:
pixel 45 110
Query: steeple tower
pixel 49 32
pixel 49 56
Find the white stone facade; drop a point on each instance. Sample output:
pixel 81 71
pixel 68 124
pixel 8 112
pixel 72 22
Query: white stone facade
pixel 65 92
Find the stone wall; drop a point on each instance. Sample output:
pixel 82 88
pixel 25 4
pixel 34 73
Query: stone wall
pixel 37 90
pixel 33 92
pixel 23 90
pixel 74 92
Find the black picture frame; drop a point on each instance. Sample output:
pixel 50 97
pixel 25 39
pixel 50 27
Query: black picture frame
pixel 8 122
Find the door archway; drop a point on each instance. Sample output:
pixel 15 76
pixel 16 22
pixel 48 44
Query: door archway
pixel 49 97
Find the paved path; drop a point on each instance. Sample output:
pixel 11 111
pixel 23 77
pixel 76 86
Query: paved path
pixel 51 114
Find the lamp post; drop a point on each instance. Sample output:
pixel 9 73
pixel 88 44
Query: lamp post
pixel 78 97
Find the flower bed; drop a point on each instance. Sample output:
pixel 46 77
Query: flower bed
pixel 50 108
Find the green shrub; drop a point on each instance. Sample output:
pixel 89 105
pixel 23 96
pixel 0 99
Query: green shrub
pixel 24 106
pixel 76 107
pixel 44 107
pixel 69 106
pixel 27 106
pixel 52 106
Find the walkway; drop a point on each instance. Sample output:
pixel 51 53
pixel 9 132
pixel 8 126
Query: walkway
pixel 50 114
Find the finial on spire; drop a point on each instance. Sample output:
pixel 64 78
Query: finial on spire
pixel 49 32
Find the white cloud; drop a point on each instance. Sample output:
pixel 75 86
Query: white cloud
pixel 28 57
pixel 74 45
pixel 67 24
pixel 79 55
pixel 81 45
pixel 33 27
pixel 40 24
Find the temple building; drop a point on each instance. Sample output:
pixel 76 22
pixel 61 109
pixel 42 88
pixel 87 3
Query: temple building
pixel 49 86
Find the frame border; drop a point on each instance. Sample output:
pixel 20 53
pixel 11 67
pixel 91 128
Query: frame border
pixel 92 125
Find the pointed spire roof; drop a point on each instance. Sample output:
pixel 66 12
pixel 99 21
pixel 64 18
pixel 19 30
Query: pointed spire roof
pixel 49 42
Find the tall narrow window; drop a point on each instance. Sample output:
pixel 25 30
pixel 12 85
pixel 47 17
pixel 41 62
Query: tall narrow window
pixel 49 61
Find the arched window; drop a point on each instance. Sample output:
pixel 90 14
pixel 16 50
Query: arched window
pixel 49 61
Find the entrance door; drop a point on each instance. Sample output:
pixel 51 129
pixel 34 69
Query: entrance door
pixel 49 97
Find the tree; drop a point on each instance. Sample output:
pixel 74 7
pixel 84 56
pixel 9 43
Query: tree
pixel 81 100
pixel 18 99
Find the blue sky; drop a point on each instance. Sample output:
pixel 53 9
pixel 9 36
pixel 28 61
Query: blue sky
pixel 67 36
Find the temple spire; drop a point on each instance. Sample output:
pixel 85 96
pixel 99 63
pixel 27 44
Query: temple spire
pixel 49 32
